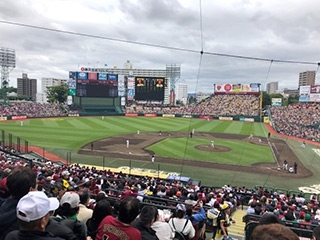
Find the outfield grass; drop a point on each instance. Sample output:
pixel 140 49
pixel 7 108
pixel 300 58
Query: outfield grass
pixel 67 135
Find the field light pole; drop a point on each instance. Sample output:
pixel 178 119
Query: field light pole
pixel 7 64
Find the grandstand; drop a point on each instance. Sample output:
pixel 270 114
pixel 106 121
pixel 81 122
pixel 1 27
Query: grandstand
pixel 15 146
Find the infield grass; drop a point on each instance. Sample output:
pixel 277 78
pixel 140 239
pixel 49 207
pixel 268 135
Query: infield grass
pixel 67 135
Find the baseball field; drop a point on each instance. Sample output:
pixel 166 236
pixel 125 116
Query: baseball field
pixel 217 153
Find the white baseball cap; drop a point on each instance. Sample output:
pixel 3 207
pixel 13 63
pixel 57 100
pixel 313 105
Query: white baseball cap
pixel 35 205
pixel 72 198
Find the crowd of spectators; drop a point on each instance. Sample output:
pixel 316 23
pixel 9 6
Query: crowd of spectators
pixel 290 210
pixel 80 190
pixel 88 196
pixel 32 109
pixel 300 120
pixel 299 213
pixel 215 105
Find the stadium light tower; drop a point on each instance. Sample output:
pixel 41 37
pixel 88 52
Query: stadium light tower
pixel 173 74
pixel 7 63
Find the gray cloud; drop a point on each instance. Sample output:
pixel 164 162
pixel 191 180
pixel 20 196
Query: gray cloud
pixel 272 29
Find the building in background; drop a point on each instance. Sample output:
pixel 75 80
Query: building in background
pixel 290 92
pixel 272 87
pixel 48 82
pixel 127 65
pixel 182 92
pixel 27 87
pixel 307 78
pixel 201 96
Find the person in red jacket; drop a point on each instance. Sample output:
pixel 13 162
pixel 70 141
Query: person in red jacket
pixel 119 228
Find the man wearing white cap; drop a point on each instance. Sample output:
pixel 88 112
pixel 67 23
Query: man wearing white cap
pixel 33 216
pixel 19 182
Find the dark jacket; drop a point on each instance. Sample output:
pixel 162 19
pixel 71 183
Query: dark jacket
pixel 92 228
pixel 60 230
pixel 30 235
pixel 8 217
pixel 78 228
pixel 147 233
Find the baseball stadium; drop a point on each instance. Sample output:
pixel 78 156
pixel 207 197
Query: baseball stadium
pixel 225 143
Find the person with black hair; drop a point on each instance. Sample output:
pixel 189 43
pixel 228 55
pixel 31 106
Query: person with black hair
pixel 143 223
pixel 180 224
pixel 196 216
pixel 100 211
pixel 84 212
pixel 119 228
pixel 19 182
pixel 269 218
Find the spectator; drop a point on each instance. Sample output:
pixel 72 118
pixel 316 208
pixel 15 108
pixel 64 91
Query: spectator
pixel 33 214
pixel 196 217
pixel 273 231
pixel 67 214
pixel 19 182
pixel 100 211
pixel 224 220
pixel 162 228
pixel 84 212
pixel 179 224
pixel 144 222
pixel 116 229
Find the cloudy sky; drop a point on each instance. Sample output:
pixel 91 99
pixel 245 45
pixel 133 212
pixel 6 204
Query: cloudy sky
pixel 153 33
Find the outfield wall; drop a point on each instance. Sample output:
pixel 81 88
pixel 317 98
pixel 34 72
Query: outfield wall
pixel 205 117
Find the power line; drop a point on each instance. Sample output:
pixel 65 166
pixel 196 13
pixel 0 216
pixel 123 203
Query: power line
pixel 159 46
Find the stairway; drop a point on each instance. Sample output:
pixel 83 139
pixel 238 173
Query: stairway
pixel 236 230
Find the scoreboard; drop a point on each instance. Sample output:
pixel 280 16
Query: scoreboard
pixel 93 84
pixel 149 88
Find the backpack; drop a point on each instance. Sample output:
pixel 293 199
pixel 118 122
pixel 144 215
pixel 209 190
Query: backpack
pixel 180 235
pixel 212 216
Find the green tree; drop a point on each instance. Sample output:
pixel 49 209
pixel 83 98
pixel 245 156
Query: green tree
pixel 179 102
pixel 192 100
pixel 57 94
pixel 266 100
pixel 293 99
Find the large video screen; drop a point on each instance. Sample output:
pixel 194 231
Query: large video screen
pixel 92 84
pixel 149 88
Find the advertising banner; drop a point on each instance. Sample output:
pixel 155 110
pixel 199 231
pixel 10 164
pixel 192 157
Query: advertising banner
pixel 304 94
pixel 237 88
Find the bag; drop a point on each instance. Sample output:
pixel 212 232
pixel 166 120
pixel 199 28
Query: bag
pixel 180 235
pixel 212 215
pixel 227 238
